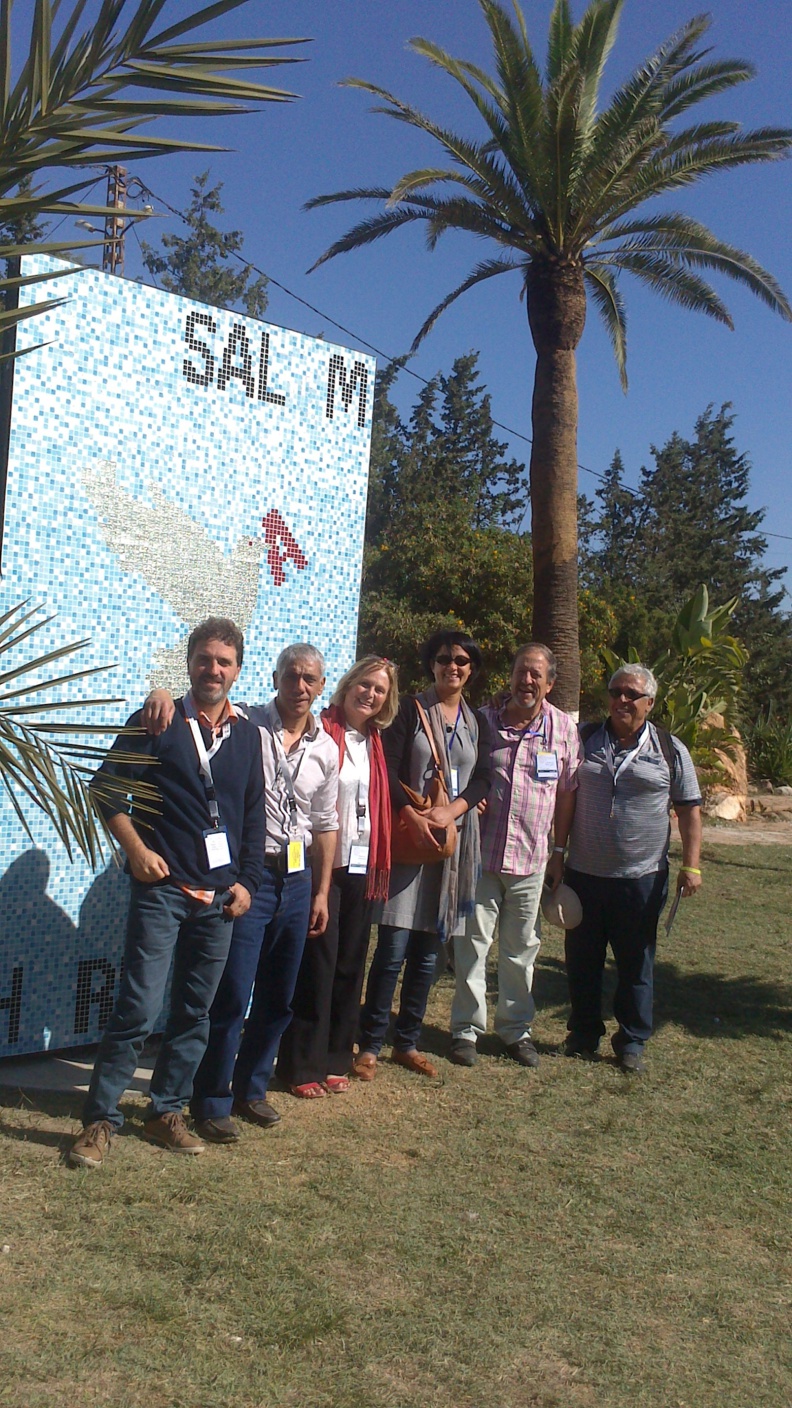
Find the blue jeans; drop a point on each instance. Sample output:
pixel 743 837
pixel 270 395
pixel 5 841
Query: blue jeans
pixel 418 952
pixel 624 914
pixel 266 949
pixel 163 924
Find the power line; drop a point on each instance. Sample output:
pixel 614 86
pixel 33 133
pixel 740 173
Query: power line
pixel 518 434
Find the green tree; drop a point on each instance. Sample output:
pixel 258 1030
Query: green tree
pixel 196 265
pixel 689 520
pixel 554 185
pixel 439 550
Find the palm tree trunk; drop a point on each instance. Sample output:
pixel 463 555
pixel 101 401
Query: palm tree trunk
pixel 557 314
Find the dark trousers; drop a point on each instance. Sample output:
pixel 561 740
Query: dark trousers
pixel 319 1040
pixel 624 914
pixel 418 952
pixel 266 949
pixel 164 924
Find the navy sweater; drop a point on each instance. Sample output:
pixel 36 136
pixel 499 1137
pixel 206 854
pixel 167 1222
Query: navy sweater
pixel 176 832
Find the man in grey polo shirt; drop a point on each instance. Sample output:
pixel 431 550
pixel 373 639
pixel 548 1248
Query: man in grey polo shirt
pixel 618 863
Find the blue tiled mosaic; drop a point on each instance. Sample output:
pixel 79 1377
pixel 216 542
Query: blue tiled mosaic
pixel 168 461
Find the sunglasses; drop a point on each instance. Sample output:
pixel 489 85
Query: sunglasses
pixel 459 660
pixel 631 694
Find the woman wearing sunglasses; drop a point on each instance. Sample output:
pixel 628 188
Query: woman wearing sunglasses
pixel 427 903
pixel 315 1054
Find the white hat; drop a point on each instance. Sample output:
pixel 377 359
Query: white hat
pixel 561 907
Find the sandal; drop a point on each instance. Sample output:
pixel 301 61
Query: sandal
pixel 337 1084
pixel 312 1090
pixel 364 1065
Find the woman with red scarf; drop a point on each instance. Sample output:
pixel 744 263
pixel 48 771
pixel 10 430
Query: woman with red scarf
pixel 315 1054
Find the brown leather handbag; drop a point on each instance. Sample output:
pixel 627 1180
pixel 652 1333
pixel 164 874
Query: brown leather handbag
pixel 404 849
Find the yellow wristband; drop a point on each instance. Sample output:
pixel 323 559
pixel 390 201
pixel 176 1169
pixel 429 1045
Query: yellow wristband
pixel 690 869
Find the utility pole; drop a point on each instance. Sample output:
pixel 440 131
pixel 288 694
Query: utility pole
pixel 113 256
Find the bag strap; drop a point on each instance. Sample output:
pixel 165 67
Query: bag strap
pixel 664 738
pixel 427 728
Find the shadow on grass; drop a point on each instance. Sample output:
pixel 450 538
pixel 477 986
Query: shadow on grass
pixel 706 1004
pixel 26 1134
pixel 710 1004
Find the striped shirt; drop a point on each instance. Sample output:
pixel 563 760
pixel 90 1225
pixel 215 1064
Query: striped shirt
pixel 516 826
pixel 621 828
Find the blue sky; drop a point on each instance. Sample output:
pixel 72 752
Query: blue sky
pixel 328 140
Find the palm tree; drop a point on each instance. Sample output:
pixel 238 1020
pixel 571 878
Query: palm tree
pixel 80 98
pixel 554 183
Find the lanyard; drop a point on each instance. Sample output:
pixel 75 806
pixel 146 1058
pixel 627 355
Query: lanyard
pixel 360 801
pixel 450 742
pixel 204 762
pixel 539 732
pixel 289 778
pixel 619 768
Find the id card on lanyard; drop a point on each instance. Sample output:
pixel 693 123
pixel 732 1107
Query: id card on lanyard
pixel 216 847
pixel 295 846
pixel 359 851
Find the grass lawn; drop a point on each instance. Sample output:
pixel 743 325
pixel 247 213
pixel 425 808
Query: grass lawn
pixel 501 1238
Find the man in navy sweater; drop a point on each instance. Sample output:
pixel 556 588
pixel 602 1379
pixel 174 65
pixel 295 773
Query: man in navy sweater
pixel 196 859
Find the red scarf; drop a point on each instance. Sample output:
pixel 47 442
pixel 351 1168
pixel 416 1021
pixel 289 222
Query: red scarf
pixel 334 720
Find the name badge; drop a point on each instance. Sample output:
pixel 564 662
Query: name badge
pixel 546 767
pixel 217 850
pixel 358 858
pixel 295 857
pixel 454 783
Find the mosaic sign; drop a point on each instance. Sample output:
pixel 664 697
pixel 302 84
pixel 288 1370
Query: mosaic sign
pixel 167 461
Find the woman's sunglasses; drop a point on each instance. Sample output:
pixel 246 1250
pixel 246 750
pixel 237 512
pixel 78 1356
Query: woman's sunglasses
pixel 459 660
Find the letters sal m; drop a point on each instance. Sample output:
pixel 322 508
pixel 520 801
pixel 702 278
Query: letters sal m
pixel 238 362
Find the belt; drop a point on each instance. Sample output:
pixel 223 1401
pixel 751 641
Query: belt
pixel 277 861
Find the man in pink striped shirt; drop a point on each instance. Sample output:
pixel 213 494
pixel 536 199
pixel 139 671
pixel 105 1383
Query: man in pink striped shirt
pixel 535 757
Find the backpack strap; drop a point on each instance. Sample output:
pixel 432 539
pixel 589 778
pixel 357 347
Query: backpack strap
pixel 664 738
pixel 669 752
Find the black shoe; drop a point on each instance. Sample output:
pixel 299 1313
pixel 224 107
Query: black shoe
pixel 257 1111
pixel 631 1062
pixel 581 1048
pixel 220 1130
pixel 524 1052
pixel 463 1052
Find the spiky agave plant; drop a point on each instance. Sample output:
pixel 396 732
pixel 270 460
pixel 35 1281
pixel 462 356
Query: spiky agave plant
pixel 555 184
pixel 48 764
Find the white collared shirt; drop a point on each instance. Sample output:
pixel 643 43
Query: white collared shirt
pixel 313 764
pixel 353 785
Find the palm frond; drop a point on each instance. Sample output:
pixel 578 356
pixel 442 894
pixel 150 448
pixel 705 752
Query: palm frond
pixel 488 269
pixel 705 81
pixel 606 295
pixel 671 280
pixel 682 238
pixel 559 42
pixel 39 766
pixel 74 100
pixel 367 231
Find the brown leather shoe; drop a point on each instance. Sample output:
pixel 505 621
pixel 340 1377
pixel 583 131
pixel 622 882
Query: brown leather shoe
pixel 257 1111
pixel 364 1065
pixel 415 1061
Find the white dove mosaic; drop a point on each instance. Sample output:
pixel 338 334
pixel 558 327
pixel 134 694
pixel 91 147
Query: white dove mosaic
pixel 168 461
